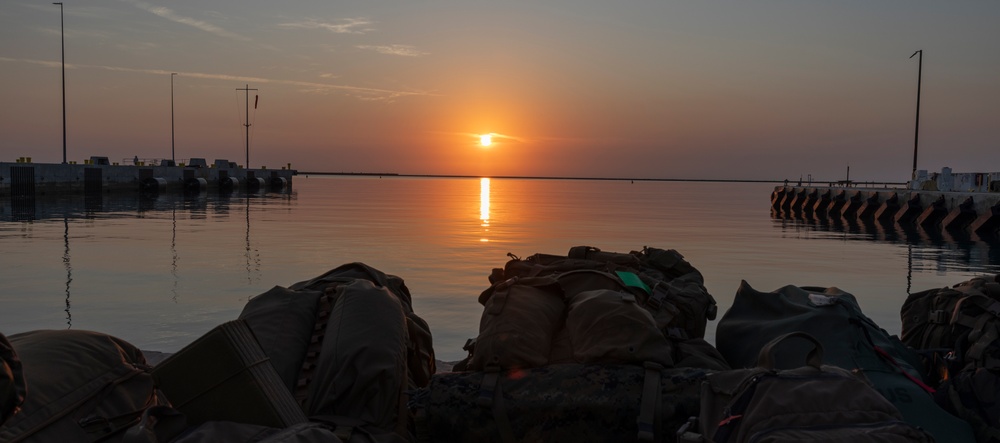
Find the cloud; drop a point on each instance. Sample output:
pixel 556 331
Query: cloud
pixel 403 50
pixel 363 93
pixel 496 136
pixel 169 14
pixel 343 26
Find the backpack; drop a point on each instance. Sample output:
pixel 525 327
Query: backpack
pixel 594 307
pixel 665 284
pixel 348 346
pixel 557 403
pixel 963 320
pixel 813 402
pixel 850 340
pixel 12 387
pixel 973 395
pixel 84 387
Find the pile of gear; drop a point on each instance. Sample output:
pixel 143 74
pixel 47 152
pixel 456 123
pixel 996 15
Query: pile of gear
pixel 587 346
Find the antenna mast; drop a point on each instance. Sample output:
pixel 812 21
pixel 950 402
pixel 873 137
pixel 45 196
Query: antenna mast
pixel 247 89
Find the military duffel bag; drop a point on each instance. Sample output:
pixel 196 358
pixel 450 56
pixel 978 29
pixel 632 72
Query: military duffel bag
pixel 558 403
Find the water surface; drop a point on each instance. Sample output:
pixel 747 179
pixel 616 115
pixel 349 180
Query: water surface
pixel 161 272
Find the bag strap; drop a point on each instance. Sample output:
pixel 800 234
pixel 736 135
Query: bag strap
pixel 734 413
pixel 324 306
pixel 765 358
pixel 491 396
pixel 984 334
pixel 890 359
pixel 984 431
pixel 650 397
pixel 159 424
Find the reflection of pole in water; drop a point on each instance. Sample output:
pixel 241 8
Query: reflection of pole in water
pixel 909 268
pixel 256 254
pixel 484 205
pixel 173 250
pixel 69 270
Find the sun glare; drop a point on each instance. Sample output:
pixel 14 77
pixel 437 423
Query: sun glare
pixel 485 139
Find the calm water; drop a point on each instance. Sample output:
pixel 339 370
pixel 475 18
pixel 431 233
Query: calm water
pixel 159 273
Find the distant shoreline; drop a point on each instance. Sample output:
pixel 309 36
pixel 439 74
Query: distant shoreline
pixel 702 180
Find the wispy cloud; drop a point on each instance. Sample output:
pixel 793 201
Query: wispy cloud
pixel 403 50
pixel 494 135
pixel 363 93
pixel 169 14
pixel 343 26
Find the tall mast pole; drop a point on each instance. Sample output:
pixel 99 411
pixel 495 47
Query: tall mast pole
pixel 62 38
pixel 916 131
pixel 173 159
pixel 247 89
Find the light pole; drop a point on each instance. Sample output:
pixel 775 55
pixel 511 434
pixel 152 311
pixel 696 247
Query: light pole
pixel 173 160
pixel 916 131
pixel 247 89
pixel 62 38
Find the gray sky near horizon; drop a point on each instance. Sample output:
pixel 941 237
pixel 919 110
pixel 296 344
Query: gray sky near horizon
pixel 649 89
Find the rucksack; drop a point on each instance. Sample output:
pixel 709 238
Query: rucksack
pixel 532 322
pixel 593 307
pixel 963 320
pixel 348 345
pixel 850 340
pixel 83 387
pixel 813 402
pixel 557 403
pixel 661 279
pixel 973 395
pixel 419 345
pixel 11 381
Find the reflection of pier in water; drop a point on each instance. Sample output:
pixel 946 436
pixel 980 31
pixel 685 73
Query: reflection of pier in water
pixel 69 207
pixel 956 230
pixel 110 205
pixel 950 250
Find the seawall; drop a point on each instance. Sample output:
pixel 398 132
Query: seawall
pixel 29 179
pixel 956 212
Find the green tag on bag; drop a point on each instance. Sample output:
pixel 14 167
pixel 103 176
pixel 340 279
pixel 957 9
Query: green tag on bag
pixel 632 279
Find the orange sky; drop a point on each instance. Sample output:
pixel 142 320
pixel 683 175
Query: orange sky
pixel 650 89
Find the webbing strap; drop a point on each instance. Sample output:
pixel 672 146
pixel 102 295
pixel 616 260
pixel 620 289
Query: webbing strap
pixel 657 298
pixel 311 359
pixel 984 431
pixel 650 398
pixel 487 387
pixel 983 302
pixel 982 336
pixel 491 396
pixel 421 427
pixel 891 360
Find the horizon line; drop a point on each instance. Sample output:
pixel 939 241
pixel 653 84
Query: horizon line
pixel 542 177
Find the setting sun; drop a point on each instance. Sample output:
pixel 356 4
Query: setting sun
pixel 485 139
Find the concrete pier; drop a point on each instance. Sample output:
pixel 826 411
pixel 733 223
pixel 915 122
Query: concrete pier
pixel 955 213
pixel 97 176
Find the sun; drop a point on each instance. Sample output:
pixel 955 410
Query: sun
pixel 485 140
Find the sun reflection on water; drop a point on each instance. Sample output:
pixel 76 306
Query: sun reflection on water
pixel 484 206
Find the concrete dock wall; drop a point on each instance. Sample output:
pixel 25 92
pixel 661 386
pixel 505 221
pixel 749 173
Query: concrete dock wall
pixel 954 212
pixel 23 179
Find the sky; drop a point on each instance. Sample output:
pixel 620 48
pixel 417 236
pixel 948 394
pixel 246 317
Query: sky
pixel 757 90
